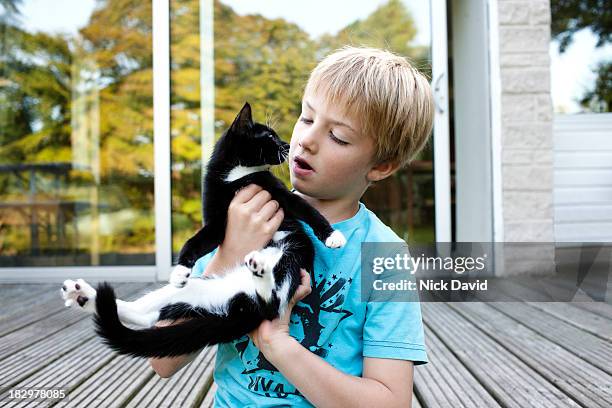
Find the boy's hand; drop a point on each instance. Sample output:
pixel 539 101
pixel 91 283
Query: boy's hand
pixel 271 335
pixel 252 219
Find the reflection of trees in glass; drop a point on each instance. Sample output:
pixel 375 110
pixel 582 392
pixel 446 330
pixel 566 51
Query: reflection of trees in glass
pixel 263 61
pixel 268 61
pixel 391 27
pixel 571 16
pixel 51 85
pixel 45 79
pixel 185 119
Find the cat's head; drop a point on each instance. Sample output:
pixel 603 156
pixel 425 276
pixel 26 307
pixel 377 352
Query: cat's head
pixel 254 144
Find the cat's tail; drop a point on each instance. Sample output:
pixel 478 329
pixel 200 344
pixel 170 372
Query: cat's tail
pixel 168 341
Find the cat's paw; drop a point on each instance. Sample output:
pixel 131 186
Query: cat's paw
pixel 335 240
pixel 179 276
pixel 261 266
pixel 255 261
pixel 79 295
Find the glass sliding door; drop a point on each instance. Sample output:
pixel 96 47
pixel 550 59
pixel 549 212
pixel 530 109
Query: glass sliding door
pixel 76 133
pixel 264 51
pixel 185 120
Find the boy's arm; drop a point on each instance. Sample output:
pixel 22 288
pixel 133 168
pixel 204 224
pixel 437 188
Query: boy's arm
pixel 168 366
pixel 385 382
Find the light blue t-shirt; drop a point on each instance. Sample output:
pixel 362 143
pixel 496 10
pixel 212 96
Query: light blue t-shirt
pixel 338 326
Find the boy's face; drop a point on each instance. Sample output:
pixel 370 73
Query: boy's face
pixel 329 158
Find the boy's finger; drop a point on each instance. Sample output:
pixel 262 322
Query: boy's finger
pixel 259 200
pixel 269 210
pixel 305 277
pixel 277 219
pixel 304 289
pixel 246 193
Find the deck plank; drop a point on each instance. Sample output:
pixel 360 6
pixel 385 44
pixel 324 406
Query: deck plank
pixel 445 382
pixel 584 382
pixel 509 380
pixel 569 312
pixel 482 355
pixel 39 307
pixel 186 388
pixel 587 346
pixel 17 297
pixel 40 329
pixel 209 400
pixel 59 351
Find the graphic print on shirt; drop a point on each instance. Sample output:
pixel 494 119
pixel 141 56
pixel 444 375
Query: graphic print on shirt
pixel 316 312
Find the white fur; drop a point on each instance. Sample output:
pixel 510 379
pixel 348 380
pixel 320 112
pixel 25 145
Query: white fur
pixel 335 240
pixel 211 293
pixel 179 276
pixel 71 293
pixel 239 172
pixel 262 265
pixel 278 235
pixel 283 294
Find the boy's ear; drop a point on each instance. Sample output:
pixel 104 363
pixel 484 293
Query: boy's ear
pixel 382 170
pixel 244 119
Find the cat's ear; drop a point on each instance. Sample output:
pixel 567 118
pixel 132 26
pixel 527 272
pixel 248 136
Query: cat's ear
pixel 244 120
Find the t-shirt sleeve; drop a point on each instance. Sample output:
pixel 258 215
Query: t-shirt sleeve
pixel 200 266
pixel 394 330
pixel 393 325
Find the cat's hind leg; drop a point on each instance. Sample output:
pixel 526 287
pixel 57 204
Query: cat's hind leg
pixel 262 263
pixel 143 312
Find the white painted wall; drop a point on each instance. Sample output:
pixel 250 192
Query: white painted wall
pixel 583 177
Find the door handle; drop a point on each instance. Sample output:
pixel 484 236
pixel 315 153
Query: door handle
pixel 438 94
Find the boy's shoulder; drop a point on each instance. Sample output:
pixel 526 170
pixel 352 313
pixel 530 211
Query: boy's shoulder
pixel 377 230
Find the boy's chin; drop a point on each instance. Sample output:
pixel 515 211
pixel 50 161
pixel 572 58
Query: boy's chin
pixel 309 191
pixel 303 188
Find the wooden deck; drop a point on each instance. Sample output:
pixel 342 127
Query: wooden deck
pixel 506 354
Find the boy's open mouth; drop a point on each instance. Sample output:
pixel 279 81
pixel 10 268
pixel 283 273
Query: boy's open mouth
pixel 302 164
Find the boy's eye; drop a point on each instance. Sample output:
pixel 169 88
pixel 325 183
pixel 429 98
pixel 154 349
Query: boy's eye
pixel 335 139
pixel 305 120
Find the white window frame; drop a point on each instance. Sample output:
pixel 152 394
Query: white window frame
pixel 441 138
pixel 163 210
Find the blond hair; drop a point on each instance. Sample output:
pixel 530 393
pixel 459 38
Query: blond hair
pixel 391 98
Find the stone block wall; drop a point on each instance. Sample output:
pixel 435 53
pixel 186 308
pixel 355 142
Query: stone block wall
pixel 526 115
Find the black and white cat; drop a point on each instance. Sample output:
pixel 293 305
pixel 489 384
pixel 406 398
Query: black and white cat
pixel 220 308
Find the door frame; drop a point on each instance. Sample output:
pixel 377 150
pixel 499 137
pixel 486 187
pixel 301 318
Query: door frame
pixel 441 131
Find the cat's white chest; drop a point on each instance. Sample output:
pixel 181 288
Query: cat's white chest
pixel 239 172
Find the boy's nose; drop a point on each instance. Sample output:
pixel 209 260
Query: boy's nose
pixel 308 141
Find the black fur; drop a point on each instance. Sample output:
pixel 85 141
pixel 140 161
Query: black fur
pixel 248 144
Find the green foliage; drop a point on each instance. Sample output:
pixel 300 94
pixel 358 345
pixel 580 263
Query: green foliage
pixel 571 16
pixel 50 85
pixel 599 99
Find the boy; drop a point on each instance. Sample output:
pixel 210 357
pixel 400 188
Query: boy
pixel 365 113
